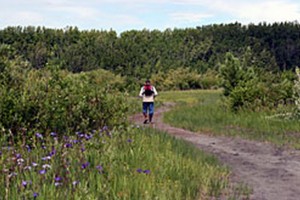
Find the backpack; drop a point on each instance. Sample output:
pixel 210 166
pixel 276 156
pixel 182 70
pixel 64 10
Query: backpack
pixel 148 91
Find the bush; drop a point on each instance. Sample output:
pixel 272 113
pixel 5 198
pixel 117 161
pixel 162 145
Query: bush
pixel 177 79
pixel 210 80
pixel 55 100
pixel 252 88
pixel 296 90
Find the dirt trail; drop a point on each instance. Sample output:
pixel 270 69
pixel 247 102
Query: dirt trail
pixel 272 173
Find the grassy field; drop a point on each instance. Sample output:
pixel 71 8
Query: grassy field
pixel 136 164
pixel 201 111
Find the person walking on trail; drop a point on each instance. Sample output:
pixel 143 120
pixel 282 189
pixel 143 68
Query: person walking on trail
pixel 148 93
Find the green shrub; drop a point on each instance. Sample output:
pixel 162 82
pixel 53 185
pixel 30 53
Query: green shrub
pixel 232 73
pixel 177 79
pixel 55 100
pixel 249 87
pixel 210 79
pixel 296 90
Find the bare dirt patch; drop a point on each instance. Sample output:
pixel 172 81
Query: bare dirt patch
pixel 273 173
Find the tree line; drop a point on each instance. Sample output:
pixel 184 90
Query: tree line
pixel 139 54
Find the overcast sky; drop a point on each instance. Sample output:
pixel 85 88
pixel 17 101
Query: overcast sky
pixel 122 15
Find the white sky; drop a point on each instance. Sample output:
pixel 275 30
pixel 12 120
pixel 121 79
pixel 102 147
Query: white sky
pixel 122 15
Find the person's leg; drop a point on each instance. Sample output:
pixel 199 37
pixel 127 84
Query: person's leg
pixel 151 111
pixel 145 108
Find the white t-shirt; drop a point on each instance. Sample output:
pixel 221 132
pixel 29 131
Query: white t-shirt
pixel 148 98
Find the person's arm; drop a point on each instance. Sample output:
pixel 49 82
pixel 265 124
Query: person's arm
pixel 141 92
pixel 155 92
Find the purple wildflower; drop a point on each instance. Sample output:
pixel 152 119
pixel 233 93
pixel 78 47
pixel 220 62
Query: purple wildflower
pixel 79 134
pixel 35 195
pixel 82 149
pixel 38 135
pixel 105 128
pixel 46 158
pixel 88 136
pixel 43 171
pixel 85 165
pixel 28 148
pixel 24 183
pixel 76 141
pixel 147 171
pixel 57 178
pixel 18 156
pixel 99 168
pixel 53 152
pixel 129 140
pixel 0 153
pixel 68 145
pixel 53 134
pixel 34 164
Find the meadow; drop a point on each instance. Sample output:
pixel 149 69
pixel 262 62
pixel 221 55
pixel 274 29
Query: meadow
pixel 203 111
pixel 137 164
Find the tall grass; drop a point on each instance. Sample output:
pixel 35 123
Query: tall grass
pixel 136 164
pixel 206 114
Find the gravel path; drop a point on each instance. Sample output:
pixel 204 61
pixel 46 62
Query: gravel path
pixel 272 173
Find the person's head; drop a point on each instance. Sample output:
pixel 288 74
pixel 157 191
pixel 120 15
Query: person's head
pixel 147 82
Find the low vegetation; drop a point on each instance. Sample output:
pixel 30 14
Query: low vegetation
pixel 208 115
pixel 135 164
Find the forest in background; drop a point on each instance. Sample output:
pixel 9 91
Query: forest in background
pixel 138 54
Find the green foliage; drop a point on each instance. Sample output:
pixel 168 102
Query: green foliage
pixel 136 163
pixel 55 100
pixel 232 73
pixel 184 78
pixel 296 90
pixel 210 79
pixel 144 53
pixel 180 78
pixel 246 86
pixel 246 95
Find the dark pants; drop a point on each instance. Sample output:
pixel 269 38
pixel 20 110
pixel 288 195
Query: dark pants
pixel 148 106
